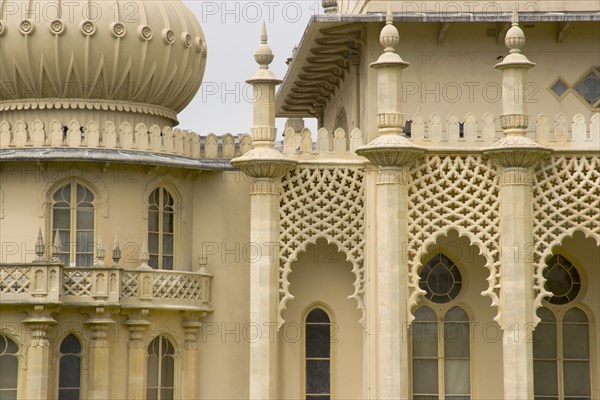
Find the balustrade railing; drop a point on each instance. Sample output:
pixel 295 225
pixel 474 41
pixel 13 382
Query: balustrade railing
pixel 52 283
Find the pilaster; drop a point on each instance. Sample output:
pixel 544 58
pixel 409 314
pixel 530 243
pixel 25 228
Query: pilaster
pixel 99 353
pixel 136 354
pixel 516 156
pixel 394 154
pixel 266 166
pixel 190 362
pixel 38 353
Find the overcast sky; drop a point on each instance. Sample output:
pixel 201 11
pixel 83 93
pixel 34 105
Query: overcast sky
pixel 232 30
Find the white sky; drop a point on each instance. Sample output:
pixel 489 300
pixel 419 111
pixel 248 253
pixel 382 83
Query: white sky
pixel 232 29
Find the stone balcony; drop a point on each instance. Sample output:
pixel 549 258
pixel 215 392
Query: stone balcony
pixel 47 283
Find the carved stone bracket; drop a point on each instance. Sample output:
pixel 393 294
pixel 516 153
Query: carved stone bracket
pixel 39 321
pixel 137 324
pixel 190 322
pixel 99 322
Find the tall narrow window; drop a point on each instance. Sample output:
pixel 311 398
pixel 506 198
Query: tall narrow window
pixel 318 355
pixel 161 228
pixel 73 219
pixel 561 341
pixel 441 340
pixel 161 370
pixel 69 375
pixel 9 368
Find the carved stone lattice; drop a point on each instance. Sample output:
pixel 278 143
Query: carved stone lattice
pixel 77 283
pixel 322 203
pixel 460 193
pixel 566 199
pixel 129 284
pixel 14 280
pixel 184 287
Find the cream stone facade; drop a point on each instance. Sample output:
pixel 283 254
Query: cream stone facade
pixel 438 236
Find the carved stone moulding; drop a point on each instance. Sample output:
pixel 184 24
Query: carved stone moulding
pixel 263 134
pixel 517 156
pixel 391 151
pixel 390 120
pixel 514 121
pixel 261 163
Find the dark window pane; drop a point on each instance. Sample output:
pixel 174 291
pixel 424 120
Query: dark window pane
pixel 68 394
pixel 457 340
pixel 167 222
pixel 317 315
pixel 425 339
pixel 317 397
pixel 153 221
pixel 152 394
pixel 167 263
pixel 425 376
pixel 85 218
pixel 167 372
pixel 544 340
pixel 70 345
pixel 545 381
pixel 69 371
pixel 317 376
pixel 317 341
pixel 577 378
pixel 442 278
pixel 166 394
pixel 152 376
pixel 61 219
pixel 9 365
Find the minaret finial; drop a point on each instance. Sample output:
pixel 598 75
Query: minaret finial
pixel 264 38
pixel 389 17
pixel 56 247
pixel 264 54
pixel 389 37
pixel 515 38
pixel 116 254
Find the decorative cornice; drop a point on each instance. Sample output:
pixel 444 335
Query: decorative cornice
pixel 391 151
pixel 263 163
pixel 88 104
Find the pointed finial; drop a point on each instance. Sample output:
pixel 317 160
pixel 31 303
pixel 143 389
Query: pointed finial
pixel 515 16
pixel 389 37
pixel 264 54
pixel 100 253
pixel 40 248
pixel 263 36
pixel 515 38
pixel 56 247
pixel 116 254
pixel 389 17
pixel 144 256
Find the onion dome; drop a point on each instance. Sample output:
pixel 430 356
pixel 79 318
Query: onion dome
pixel 118 60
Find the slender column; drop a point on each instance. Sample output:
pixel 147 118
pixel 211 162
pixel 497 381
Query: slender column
pixel 38 354
pixel 266 166
pixel 393 153
pixel 136 355
pixel 99 363
pixel 516 157
pixel 190 362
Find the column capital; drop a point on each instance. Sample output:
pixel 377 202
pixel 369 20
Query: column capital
pixel 190 322
pixel 391 151
pixel 260 163
pixel 516 156
pixel 99 322
pixel 39 321
pixel 137 324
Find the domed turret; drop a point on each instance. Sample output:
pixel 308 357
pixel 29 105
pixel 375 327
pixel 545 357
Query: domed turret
pixel 107 60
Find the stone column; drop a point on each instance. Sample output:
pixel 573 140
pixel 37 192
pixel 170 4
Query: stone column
pixel 136 355
pixel 38 353
pixel 99 351
pixel 190 363
pixel 516 157
pixel 393 153
pixel 266 166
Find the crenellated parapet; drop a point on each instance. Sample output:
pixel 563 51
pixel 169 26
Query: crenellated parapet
pixel 124 136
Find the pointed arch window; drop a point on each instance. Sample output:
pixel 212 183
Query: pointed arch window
pixel 69 375
pixel 561 341
pixel 161 229
pixel 161 370
pixel 73 219
pixel 318 355
pixel 9 368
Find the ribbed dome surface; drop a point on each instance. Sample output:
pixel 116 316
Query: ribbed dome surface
pixel 100 55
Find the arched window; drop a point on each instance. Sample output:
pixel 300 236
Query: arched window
pixel 318 355
pixel 73 219
pixel 161 370
pixel 69 375
pixel 441 349
pixel 161 229
pixel 9 368
pixel 441 339
pixel 561 341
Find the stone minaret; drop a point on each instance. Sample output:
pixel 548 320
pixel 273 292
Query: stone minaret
pixel 393 154
pixel 516 156
pixel 265 166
